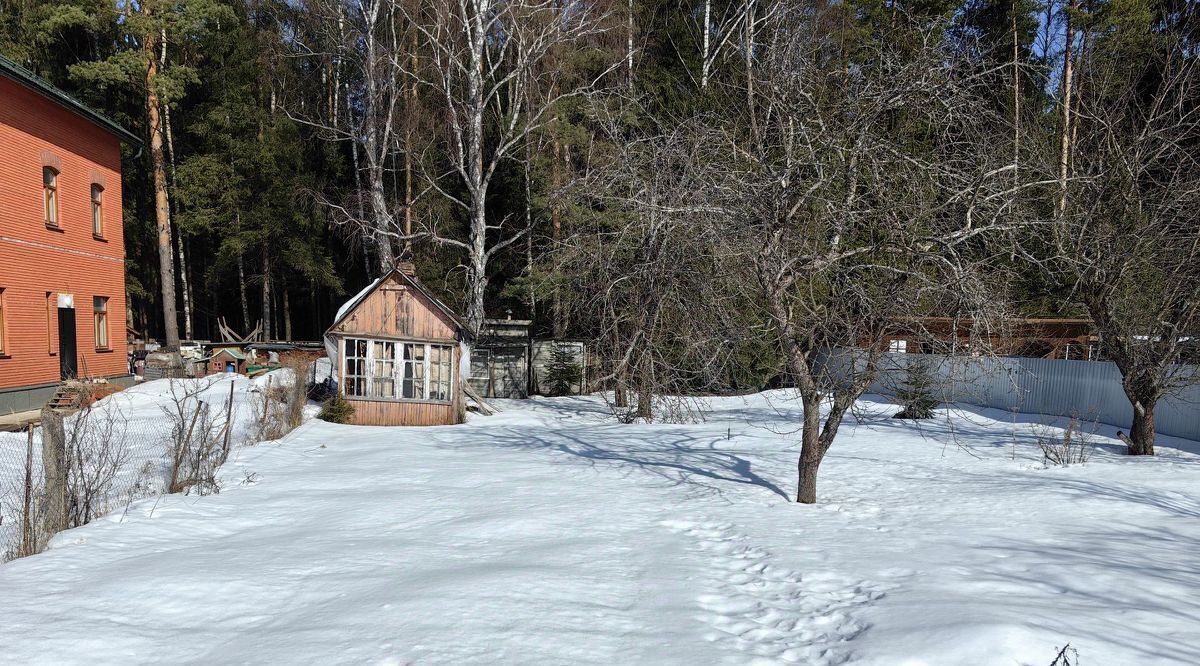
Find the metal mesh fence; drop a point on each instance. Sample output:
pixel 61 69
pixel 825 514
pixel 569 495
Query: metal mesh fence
pixel 163 436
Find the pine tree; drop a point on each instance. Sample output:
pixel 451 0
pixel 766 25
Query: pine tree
pixel 916 393
pixel 563 372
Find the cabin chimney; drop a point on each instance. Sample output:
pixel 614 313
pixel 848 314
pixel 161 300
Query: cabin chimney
pixel 407 267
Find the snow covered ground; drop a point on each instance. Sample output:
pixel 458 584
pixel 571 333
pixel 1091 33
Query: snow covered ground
pixel 138 423
pixel 549 534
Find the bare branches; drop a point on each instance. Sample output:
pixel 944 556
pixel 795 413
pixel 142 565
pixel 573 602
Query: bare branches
pixel 1125 238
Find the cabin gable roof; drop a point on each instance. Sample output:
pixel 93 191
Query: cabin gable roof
pixel 414 312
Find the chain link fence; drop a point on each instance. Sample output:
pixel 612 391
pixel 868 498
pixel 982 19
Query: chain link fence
pixel 160 437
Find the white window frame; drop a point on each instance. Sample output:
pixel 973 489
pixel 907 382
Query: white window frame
pixel 399 363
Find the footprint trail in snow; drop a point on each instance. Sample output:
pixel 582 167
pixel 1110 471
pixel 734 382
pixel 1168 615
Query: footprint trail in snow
pixel 770 614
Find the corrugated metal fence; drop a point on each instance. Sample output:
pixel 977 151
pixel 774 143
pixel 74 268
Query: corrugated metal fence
pixel 1090 390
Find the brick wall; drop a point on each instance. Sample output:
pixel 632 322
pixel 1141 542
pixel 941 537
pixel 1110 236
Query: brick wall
pixel 36 263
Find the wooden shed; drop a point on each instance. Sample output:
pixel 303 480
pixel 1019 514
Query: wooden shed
pixel 396 351
pixel 226 359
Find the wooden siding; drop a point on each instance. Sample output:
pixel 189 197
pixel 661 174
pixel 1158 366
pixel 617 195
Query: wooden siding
pixel 397 311
pixel 384 413
pixel 35 260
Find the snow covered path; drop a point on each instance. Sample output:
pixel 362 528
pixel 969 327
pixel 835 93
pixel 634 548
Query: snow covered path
pixel 551 535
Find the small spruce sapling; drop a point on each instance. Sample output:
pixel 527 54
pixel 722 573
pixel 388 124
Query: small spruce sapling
pixel 563 374
pixel 336 410
pixel 915 394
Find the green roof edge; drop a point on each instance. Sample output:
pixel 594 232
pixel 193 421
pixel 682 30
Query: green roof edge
pixel 39 85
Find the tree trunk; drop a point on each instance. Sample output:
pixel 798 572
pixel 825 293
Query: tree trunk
pixel 559 322
pixel 704 64
pixel 1068 75
pixel 621 392
pixel 187 294
pixel 1141 435
pixel 183 271
pixel 629 46
pixel 266 296
pixel 645 403
pixel 748 48
pixel 811 451
pixel 162 215
pixel 1016 67
pixel 532 293
pixel 645 393
pixel 410 122
pixel 241 266
pixel 287 316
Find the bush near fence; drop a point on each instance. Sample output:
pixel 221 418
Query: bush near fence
pixel 1090 390
pixel 103 459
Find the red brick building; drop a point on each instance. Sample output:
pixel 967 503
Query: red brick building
pixel 62 250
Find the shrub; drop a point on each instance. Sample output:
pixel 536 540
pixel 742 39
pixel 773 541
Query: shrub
pixel 295 393
pixel 915 394
pixel 1072 448
pixel 336 410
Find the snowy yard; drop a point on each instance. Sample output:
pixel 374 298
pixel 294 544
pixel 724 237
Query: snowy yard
pixel 549 534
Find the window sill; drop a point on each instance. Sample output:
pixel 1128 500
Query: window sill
pixel 103 350
pixel 55 227
pixel 4 356
pixel 100 238
pixel 399 401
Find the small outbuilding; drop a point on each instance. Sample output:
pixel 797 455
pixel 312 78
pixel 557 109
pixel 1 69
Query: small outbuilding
pixel 227 359
pixel 500 359
pixel 397 352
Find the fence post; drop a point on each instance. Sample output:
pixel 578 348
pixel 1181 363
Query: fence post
pixel 27 539
pixel 229 416
pixel 54 467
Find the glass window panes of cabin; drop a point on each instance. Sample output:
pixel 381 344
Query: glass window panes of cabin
pixel 440 372
pixel 386 370
pixel 413 379
pixel 383 379
pixel 356 368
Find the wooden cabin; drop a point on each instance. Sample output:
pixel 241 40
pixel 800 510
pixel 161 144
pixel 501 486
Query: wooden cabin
pixel 227 359
pixel 1030 337
pixel 396 351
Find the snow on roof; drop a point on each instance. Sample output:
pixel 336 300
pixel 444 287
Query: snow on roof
pixel 236 353
pixel 331 349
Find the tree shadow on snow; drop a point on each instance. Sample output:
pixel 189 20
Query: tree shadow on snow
pixel 1127 584
pixel 676 455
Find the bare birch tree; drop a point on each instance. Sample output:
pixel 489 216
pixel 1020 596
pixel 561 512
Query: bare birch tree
pixel 486 66
pixel 364 46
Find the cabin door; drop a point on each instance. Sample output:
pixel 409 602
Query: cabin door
pixel 68 361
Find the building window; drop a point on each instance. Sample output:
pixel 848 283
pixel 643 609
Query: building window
pixel 898 346
pixel 386 370
pixel 355 375
pixel 3 319
pixel 100 321
pixel 97 211
pixel 383 374
pixel 440 360
pixel 50 195
pixel 414 372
